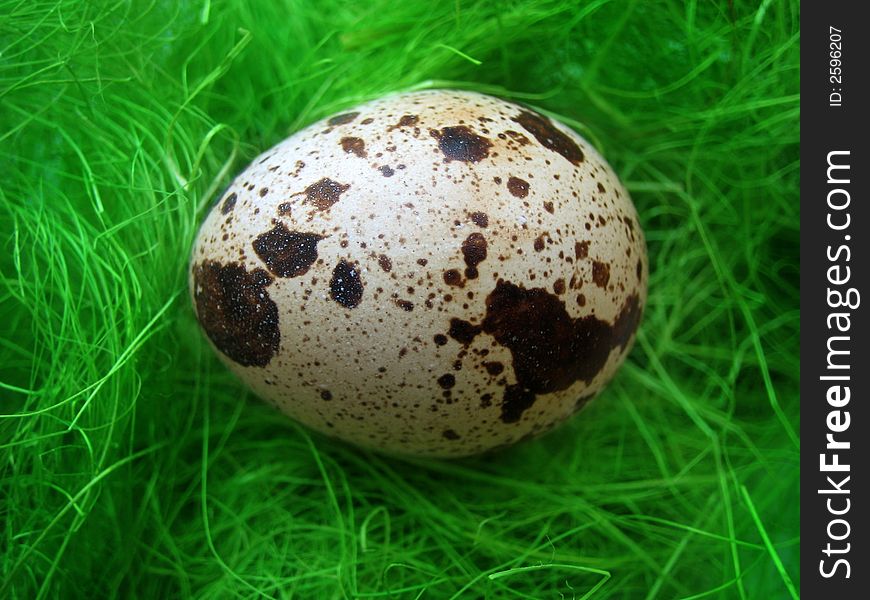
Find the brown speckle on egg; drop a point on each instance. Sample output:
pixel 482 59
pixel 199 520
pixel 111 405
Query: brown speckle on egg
pixel 518 187
pixel 474 251
pixel 324 193
pixel 460 143
pixel 287 253
pixel 453 277
pixel 447 381
pixel 480 219
pixel 236 312
pixel 343 119
pixel 549 136
pixel 346 287
pixel 228 203
pixel 385 263
pixel 354 145
pixel 600 274
pixel 405 121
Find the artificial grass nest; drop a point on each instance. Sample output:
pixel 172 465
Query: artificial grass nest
pixel 132 464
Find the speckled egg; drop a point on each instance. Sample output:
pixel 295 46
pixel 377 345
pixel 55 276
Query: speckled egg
pixel 434 273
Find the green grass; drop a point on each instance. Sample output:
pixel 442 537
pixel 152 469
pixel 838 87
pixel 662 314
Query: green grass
pixel 132 464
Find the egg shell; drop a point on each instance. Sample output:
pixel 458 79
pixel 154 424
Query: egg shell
pixel 434 273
